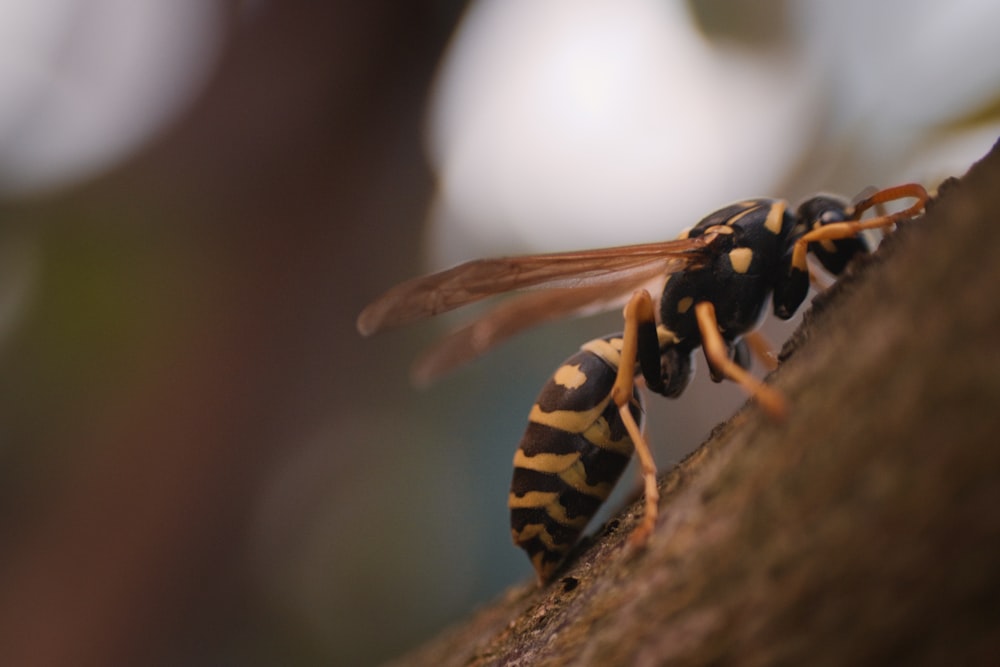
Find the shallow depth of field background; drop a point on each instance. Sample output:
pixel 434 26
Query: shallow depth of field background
pixel 201 462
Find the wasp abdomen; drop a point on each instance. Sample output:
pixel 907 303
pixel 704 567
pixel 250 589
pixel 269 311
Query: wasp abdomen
pixel 572 453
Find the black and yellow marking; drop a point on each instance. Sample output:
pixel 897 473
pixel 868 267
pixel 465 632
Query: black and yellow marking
pixel 572 453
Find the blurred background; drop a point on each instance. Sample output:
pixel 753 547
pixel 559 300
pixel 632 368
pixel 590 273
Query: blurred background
pixel 201 462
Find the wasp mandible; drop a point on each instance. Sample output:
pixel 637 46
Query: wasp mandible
pixel 714 281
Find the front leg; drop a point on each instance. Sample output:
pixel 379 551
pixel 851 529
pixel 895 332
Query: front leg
pixel 847 229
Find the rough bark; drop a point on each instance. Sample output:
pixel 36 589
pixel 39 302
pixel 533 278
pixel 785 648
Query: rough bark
pixel 865 529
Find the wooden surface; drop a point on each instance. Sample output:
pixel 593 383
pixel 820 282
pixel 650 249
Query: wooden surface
pixel 863 530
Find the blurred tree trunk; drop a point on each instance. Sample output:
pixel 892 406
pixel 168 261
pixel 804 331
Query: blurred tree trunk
pixel 864 530
pixel 243 233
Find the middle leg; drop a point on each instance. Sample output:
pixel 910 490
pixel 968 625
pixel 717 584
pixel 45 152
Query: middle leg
pixel 717 354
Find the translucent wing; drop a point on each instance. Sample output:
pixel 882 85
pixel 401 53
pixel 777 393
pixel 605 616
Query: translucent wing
pixel 467 283
pixel 521 312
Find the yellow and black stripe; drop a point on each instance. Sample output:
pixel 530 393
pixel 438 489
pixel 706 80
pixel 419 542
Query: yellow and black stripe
pixel 572 453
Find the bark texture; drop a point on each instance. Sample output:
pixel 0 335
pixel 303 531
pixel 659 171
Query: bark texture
pixel 865 529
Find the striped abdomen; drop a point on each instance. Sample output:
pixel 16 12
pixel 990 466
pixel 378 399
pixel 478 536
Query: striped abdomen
pixel 571 455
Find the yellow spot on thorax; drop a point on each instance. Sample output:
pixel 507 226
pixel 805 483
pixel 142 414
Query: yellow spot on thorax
pixel 751 206
pixel 740 259
pixel 774 217
pixel 723 229
pixel 570 377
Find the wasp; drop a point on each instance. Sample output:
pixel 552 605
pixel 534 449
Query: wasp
pixel 713 284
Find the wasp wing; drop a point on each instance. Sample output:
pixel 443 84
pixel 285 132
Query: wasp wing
pixel 524 311
pixel 467 283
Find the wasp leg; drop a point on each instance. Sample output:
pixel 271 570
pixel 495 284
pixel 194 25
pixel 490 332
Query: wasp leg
pixel 717 354
pixel 761 349
pixel 843 230
pixel 739 352
pixel 638 313
pixel 819 284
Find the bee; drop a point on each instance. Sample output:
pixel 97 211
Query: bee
pixel 713 283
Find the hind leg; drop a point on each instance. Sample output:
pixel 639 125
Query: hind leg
pixel 639 315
